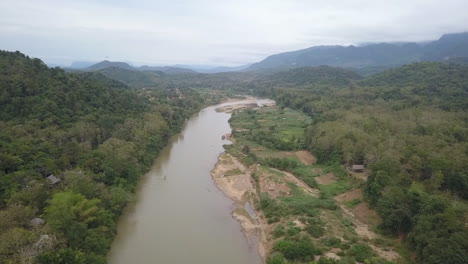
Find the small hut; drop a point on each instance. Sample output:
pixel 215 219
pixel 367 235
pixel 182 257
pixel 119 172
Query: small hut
pixel 358 168
pixel 52 180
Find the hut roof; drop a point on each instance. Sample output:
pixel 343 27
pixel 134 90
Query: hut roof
pixel 52 179
pixel 358 167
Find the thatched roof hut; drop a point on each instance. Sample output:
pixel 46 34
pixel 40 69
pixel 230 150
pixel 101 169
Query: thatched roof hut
pixel 358 168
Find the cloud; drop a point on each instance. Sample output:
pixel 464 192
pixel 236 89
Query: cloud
pixel 214 32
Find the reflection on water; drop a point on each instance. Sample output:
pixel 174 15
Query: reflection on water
pixel 179 216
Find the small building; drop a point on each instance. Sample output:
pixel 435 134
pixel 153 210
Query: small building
pixel 52 180
pixel 358 168
pixel 37 222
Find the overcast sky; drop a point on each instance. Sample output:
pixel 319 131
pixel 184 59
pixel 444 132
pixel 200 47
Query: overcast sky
pixel 214 32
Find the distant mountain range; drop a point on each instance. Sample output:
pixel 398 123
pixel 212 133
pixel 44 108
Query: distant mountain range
pixel 214 69
pixel 365 59
pixel 176 69
pixel 123 65
pixel 448 47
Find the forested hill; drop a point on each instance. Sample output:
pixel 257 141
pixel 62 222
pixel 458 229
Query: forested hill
pixel 134 78
pixel 440 84
pixel 408 126
pixel 72 147
pixel 381 54
pixel 313 76
pixel 31 90
pixel 123 65
pixel 108 64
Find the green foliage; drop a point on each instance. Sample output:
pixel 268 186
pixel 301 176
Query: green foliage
pixel 332 242
pixel 361 252
pixel 278 231
pixel 78 219
pixel 408 127
pixel 315 227
pixel 276 258
pixel 272 209
pixel 95 134
pixel 325 260
pixel 299 249
pixel 69 256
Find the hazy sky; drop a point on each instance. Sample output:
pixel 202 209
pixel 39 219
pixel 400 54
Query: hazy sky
pixel 217 32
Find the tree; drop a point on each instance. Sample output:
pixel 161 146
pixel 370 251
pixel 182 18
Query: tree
pixel 72 215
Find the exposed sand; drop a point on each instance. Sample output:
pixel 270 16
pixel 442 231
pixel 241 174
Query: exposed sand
pixel 302 185
pixel 234 107
pixel 240 189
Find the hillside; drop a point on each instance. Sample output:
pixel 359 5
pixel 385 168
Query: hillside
pixel 73 146
pixel 313 76
pixel 438 84
pixel 383 54
pixel 139 79
pixel 108 64
pixel 29 89
pixel 408 127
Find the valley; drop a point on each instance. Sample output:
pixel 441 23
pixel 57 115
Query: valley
pixel 116 165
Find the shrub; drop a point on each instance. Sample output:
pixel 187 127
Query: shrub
pixel 276 258
pixel 300 249
pixel 361 252
pixel 315 227
pixel 278 231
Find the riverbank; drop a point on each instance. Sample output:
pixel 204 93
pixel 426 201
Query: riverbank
pixel 179 216
pixel 235 181
pixel 294 202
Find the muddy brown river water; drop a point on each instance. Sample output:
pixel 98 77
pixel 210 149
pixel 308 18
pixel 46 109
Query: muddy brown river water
pixel 179 216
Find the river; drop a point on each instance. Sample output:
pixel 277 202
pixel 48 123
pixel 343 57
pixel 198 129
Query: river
pixel 179 216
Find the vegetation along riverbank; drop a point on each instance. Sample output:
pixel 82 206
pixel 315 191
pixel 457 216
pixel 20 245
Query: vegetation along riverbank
pixel 73 146
pixel 301 211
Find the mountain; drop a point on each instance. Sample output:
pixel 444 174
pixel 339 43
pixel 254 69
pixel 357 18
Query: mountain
pixel 382 54
pixel 166 69
pixel 134 78
pixel 80 64
pixel 313 76
pixel 214 69
pixel 123 65
pixel 29 89
pixel 108 64
pixel 447 47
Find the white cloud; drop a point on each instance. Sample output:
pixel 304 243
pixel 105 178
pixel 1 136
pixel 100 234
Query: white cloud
pixel 214 32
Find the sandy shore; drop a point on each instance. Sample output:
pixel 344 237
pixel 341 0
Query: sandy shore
pixel 235 181
pixel 232 105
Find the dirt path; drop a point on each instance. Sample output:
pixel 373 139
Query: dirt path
pixel 291 178
pixel 306 157
pixel 363 217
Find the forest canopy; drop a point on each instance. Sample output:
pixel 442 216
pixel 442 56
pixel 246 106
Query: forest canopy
pixel 73 146
pixel 409 127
